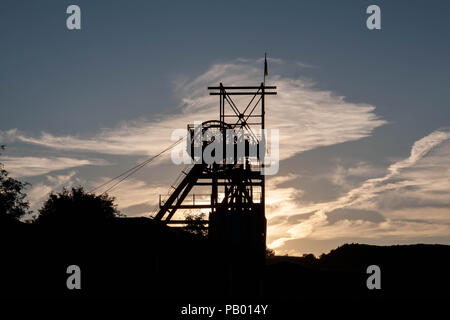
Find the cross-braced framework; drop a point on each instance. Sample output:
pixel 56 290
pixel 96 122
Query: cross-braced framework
pixel 236 187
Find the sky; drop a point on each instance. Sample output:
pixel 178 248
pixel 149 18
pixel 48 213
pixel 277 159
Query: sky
pixel 363 114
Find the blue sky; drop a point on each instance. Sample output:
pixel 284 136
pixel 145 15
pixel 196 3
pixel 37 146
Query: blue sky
pixel 80 106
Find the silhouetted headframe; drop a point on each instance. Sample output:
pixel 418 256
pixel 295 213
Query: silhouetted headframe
pixel 236 199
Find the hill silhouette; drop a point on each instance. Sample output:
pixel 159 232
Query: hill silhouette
pixel 142 258
pixel 407 271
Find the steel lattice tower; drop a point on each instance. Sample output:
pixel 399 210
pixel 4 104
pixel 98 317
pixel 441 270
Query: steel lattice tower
pixel 236 185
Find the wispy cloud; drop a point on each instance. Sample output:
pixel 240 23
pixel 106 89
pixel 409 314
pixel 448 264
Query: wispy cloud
pixel 412 195
pixel 39 192
pixel 35 166
pixel 306 116
pixel 135 192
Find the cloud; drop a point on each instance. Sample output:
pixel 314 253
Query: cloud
pixel 134 192
pixel 306 116
pixel 412 197
pixel 39 192
pixel 363 169
pixel 8 136
pixel 35 166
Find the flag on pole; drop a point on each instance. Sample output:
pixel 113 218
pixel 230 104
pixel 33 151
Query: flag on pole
pixel 266 72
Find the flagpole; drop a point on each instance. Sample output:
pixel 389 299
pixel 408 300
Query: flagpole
pixel 265 68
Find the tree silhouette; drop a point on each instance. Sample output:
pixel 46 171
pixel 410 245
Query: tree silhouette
pixel 77 207
pixel 270 252
pixel 12 197
pixel 193 225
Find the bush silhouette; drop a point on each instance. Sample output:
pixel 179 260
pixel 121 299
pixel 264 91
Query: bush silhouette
pixel 77 207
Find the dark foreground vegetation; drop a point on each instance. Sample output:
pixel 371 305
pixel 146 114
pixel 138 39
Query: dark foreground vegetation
pixel 140 258
pixel 123 257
